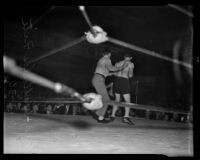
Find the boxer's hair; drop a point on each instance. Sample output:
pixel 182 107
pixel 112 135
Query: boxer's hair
pixel 127 55
pixel 106 51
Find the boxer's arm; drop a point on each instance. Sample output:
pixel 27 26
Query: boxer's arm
pixel 110 67
pixel 114 73
pixel 116 68
pixel 130 71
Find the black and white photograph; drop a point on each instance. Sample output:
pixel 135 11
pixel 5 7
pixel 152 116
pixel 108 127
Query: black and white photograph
pixel 98 80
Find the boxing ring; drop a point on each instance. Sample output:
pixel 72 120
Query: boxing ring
pixel 81 134
pixel 65 134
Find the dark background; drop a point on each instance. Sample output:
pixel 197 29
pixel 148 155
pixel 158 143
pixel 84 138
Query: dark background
pixel 155 28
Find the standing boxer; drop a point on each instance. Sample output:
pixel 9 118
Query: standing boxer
pixel 122 87
pixel 104 66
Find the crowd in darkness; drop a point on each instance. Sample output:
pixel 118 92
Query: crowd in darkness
pixel 78 109
pixel 51 108
pixel 45 108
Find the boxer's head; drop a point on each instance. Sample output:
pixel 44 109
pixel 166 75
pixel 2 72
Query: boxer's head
pixel 127 56
pixel 107 52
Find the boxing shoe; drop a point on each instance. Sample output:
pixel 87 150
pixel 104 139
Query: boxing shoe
pixel 112 118
pixel 103 121
pixel 95 116
pixel 127 121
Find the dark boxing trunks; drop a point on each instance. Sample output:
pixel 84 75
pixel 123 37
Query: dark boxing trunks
pixel 121 85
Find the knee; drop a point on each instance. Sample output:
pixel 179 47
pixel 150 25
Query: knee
pixel 115 107
pixel 117 99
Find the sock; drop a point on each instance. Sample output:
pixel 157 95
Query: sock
pixel 101 118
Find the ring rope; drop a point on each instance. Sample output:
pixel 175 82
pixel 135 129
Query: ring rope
pixel 74 42
pixel 181 10
pixel 12 68
pixel 152 53
pixel 82 9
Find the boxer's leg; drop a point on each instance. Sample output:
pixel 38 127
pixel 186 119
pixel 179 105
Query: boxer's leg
pixel 99 84
pixel 115 108
pixel 126 118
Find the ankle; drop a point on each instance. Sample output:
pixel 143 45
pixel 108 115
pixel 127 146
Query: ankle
pixel 126 116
